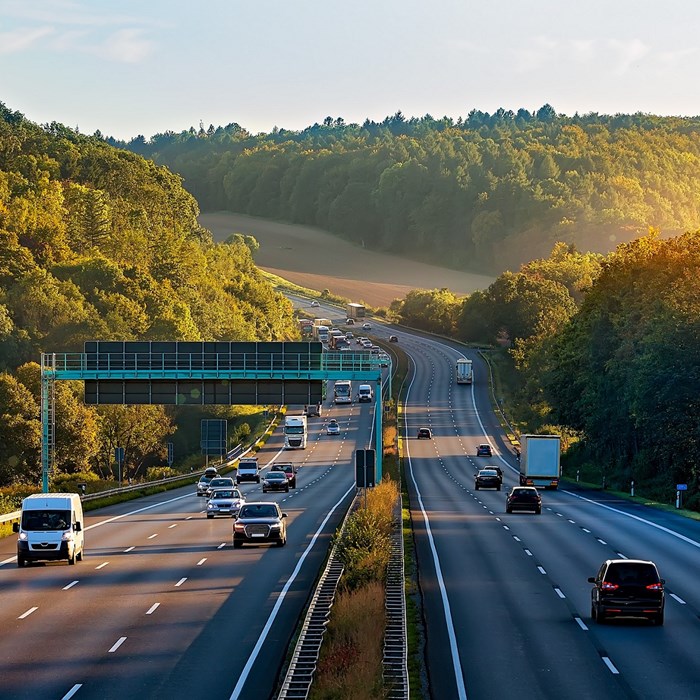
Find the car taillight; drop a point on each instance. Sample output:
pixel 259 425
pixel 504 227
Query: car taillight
pixel 655 587
pixel 607 586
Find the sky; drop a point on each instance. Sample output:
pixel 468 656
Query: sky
pixel 143 67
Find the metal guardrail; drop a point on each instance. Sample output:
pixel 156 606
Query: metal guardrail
pixel 395 659
pixel 300 674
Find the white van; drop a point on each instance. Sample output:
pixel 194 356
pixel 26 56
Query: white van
pixel 51 527
pixel 364 393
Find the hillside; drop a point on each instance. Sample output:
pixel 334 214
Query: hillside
pixel 483 194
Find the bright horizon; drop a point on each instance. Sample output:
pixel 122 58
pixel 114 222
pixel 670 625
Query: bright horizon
pixel 132 68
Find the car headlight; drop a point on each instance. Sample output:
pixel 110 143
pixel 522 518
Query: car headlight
pixel 239 527
pixel 210 506
pixel 275 526
pixel 23 536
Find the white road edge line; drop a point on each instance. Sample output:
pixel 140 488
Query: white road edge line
pixel 454 650
pixel 278 603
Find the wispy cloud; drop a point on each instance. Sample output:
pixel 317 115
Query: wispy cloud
pixel 627 54
pixel 21 39
pixel 75 27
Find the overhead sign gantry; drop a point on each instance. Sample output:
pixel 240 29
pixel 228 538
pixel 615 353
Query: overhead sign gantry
pixel 201 373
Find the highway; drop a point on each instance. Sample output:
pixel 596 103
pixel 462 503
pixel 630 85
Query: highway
pixel 163 606
pixel 506 598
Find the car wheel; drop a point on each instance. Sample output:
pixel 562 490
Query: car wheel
pixel 287 489
pixel 237 544
pixel 509 510
pixel 79 555
pixel 21 561
pixel 498 488
pixel 264 490
pixel 281 543
pixel 600 616
pixel 659 619
pixel 294 483
pixel 594 616
pixel 258 480
pixel 476 488
pixel 71 558
pixel 539 511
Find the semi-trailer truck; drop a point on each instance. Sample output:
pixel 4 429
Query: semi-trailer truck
pixel 355 310
pixel 295 432
pixel 539 461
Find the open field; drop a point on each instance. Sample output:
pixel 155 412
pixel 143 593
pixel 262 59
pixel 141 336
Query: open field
pixel 318 260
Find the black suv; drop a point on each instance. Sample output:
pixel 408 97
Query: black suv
pixel 627 587
pixel 524 498
pixel 260 522
pixel 488 478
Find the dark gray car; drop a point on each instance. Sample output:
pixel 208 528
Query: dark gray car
pixel 260 522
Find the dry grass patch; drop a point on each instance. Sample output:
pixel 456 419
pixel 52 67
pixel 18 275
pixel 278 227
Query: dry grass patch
pixel 351 656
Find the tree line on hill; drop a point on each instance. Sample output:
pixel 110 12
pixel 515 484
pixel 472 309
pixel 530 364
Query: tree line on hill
pixel 487 192
pixel 605 349
pixel 100 243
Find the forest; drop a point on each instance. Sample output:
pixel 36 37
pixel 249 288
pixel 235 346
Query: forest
pixel 488 192
pixel 100 243
pixel 603 349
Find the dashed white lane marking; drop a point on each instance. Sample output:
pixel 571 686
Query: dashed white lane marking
pixel 155 534
pixel 222 545
pixel 70 585
pixel 610 665
pixel 528 552
pixel 72 691
pixel 117 644
pixel 601 541
pixel 505 527
pixel 101 566
pixel 201 561
pixel 581 624
pixel 28 613
pixel 152 609
pixel 170 527
pixel 621 555
pixel 584 529
pixel 129 549
pixel 675 597
pixel 559 592
pixel 573 522
pixel 541 570
pixel 181 581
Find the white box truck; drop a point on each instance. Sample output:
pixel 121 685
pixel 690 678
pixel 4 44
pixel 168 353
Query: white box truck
pixel 50 528
pixel 539 460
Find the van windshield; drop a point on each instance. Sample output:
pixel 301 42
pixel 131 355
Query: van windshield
pixel 46 520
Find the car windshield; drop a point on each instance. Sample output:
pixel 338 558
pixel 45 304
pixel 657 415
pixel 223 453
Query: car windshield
pixel 46 520
pixel 524 492
pixel 221 493
pixel 205 480
pixel 220 482
pixel 275 475
pixel 259 510
pixel 488 472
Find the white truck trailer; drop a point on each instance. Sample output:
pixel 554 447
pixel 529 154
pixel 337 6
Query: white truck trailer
pixel 464 371
pixel 539 461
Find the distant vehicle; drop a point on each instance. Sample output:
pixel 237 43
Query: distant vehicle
pixel 393 339
pixel 353 311
pixel 425 434
pixel 211 472
pixel 463 371
pixel 295 432
pixel 203 485
pixel 248 470
pixel 539 461
pixel 50 528
pixel 224 502
pixel 313 410
pixel 487 479
pixel 349 321
pixel 365 393
pixel 627 587
pixel 289 470
pixel 366 327
pixel 315 303
pixel 219 482
pixel 333 428
pixel 260 522
pixel 484 450
pixel 384 359
pixel 524 498
pixel 275 481
pixel 349 335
